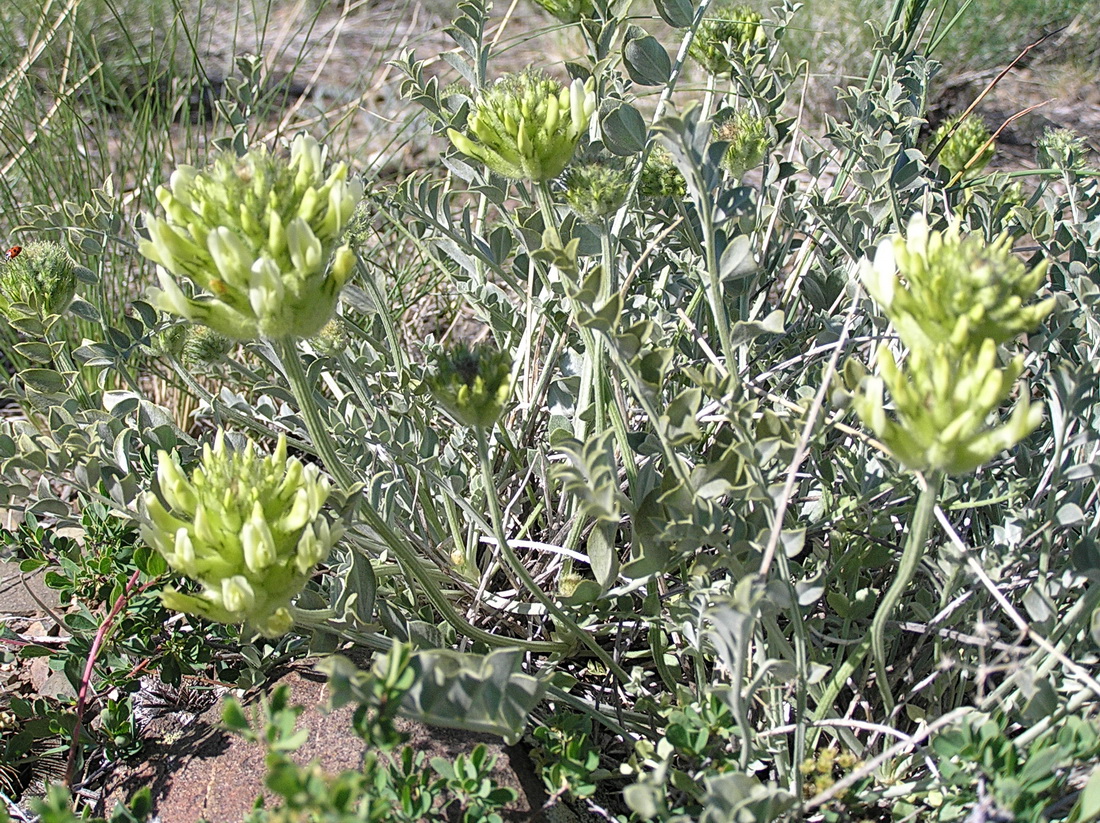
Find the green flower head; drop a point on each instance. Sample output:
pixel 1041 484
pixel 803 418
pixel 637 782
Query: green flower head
pixel 1062 149
pixel 204 346
pixel 248 529
pixel 569 11
pixel 728 31
pixel 258 236
pixel 473 384
pixel 748 137
pixel 332 340
pixel 940 286
pixel 526 126
pixel 967 145
pixel 36 281
pixel 943 401
pixel 660 177
pixel 596 189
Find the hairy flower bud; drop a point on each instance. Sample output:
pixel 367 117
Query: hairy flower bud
pixel 1062 149
pixel 472 384
pixel 170 340
pixel 596 189
pixel 258 236
pixel 724 33
pixel 332 339
pixel 526 126
pixel 967 145
pixel 203 346
pixel 37 281
pixel 748 137
pixel 660 177
pixel 248 529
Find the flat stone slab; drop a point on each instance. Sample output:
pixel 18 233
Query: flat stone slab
pixel 201 772
pixel 18 592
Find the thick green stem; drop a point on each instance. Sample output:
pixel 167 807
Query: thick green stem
pixel 291 359
pixel 911 555
pixel 546 206
pixel 520 570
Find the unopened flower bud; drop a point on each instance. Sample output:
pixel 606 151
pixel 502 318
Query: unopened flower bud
pixel 748 137
pixel 569 11
pixel 660 177
pixel 968 148
pixel 203 346
pixel 725 34
pixel 38 280
pixel 170 340
pixel 1062 149
pixel 472 384
pixel 596 189
pixel 333 338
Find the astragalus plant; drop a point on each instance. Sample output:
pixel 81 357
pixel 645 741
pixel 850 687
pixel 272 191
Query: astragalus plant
pixel 749 459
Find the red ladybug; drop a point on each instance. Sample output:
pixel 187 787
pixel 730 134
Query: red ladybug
pixel 13 252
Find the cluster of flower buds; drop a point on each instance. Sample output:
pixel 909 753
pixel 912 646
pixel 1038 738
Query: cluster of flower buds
pixel 569 11
pixel 748 138
pixel 258 237
pixel 247 528
pixel 36 281
pixel 596 189
pixel 726 33
pixel 526 126
pixel 952 301
pixel 1062 149
pixel 204 346
pixel 969 148
pixel 472 384
pixel 660 177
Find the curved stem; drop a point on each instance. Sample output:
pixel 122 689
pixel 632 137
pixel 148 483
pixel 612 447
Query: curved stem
pixel 294 368
pixel 911 555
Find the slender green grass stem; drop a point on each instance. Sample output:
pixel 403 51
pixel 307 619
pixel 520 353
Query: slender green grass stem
pixel 919 528
pixel 521 572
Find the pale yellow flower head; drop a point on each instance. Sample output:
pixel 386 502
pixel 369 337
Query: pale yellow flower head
pixel 526 126
pixel 953 301
pixel 943 402
pixel 259 238
pixel 247 528
pixel 936 286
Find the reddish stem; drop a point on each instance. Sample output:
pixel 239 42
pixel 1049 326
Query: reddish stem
pixel 89 668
